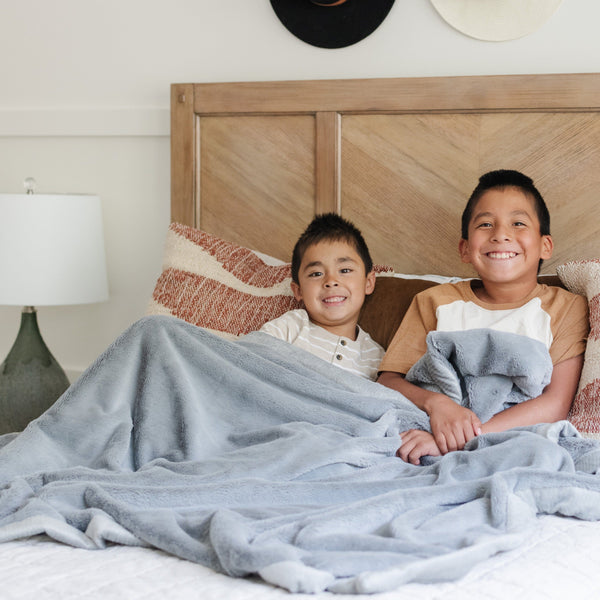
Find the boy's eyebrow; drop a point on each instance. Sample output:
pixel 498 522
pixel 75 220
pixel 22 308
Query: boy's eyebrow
pixel 314 263
pixel 318 263
pixel 514 213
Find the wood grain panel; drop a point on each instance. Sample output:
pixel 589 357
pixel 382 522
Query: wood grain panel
pixel 257 179
pixel 561 153
pixel 254 161
pixel 405 180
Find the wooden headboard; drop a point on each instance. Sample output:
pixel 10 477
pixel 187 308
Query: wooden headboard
pixel 253 162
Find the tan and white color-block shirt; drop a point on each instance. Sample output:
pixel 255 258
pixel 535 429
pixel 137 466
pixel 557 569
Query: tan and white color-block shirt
pixel 550 314
pixel 361 356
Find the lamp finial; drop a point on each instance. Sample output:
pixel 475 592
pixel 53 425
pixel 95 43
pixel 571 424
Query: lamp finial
pixel 29 184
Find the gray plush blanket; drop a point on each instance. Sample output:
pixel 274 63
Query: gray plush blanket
pixel 254 457
pixel 482 369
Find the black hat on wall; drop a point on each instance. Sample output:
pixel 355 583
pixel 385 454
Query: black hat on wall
pixel 331 23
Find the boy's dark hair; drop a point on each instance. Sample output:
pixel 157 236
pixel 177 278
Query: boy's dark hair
pixel 330 227
pixel 502 179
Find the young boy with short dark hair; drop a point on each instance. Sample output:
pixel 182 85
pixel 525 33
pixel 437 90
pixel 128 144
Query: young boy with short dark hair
pixel 505 237
pixel 332 272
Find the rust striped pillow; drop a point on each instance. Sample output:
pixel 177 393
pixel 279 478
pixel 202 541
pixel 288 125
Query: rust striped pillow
pixel 219 285
pixel 583 277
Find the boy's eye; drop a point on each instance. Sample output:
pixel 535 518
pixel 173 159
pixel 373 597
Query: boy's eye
pixel 519 224
pixel 315 274
pixel 483 225
pixel 346 270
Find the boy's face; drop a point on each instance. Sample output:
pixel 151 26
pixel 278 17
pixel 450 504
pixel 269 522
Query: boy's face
pixel 332 283
pixel 505 244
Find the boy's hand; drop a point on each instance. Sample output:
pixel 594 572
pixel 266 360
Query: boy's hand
pixel 415 444
pixel 452 425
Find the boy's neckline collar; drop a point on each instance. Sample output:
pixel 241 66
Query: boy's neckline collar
pixel 333 334
pixel 485 299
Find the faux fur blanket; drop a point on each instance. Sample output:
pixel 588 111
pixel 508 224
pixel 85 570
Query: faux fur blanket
pixel 256 457
pixel 483 369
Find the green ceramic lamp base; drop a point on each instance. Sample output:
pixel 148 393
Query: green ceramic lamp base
pixel 31 379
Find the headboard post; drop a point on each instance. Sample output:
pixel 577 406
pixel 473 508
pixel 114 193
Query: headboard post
pixel 328 162
pixel 183 155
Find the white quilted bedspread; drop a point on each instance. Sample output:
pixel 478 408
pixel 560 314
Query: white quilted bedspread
pixel 559 561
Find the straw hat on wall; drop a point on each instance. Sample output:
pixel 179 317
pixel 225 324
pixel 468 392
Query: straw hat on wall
pixel 496 20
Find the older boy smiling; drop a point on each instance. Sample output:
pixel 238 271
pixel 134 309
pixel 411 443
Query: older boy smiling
pixel 505 236
pixel 505 245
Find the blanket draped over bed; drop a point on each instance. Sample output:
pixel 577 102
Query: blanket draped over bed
pixel 256 457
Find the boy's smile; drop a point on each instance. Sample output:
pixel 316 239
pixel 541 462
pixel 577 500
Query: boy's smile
pixel 505 244
pixel 332 283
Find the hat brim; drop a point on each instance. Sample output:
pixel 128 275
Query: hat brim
pixel 496 20
pixel 331 26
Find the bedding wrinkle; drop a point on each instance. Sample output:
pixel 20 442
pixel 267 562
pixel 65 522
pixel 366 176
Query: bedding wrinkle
pixel 256 457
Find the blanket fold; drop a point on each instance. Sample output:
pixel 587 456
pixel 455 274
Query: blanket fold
pixel 255 457
pixel 485 370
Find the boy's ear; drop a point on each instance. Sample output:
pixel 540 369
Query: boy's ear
pixel 547 247
pixel 463 250
pixel 296 291
pixel 370 283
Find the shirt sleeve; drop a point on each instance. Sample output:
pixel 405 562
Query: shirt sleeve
pixel 409 342
pixel 288 326
pixel 571 330
pixel 277 328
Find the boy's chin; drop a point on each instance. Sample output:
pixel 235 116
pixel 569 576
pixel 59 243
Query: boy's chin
pixel 511 278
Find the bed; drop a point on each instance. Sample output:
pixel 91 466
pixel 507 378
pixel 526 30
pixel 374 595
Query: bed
pixel 251 164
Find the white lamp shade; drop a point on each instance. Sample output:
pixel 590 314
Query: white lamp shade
pixel 51 250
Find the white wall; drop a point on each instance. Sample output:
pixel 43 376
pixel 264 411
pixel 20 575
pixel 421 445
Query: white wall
pixel 84 101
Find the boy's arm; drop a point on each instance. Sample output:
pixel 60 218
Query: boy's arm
pixel 452 425
pixel 551 406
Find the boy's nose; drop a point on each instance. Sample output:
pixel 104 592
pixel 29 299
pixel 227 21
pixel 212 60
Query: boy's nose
pixel 331 283
pixel 501 234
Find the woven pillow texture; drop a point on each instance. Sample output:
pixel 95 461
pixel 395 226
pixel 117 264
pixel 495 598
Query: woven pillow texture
pixel 219 285
pixel 583 277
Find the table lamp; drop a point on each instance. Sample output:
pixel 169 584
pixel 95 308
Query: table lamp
pixel 51 253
